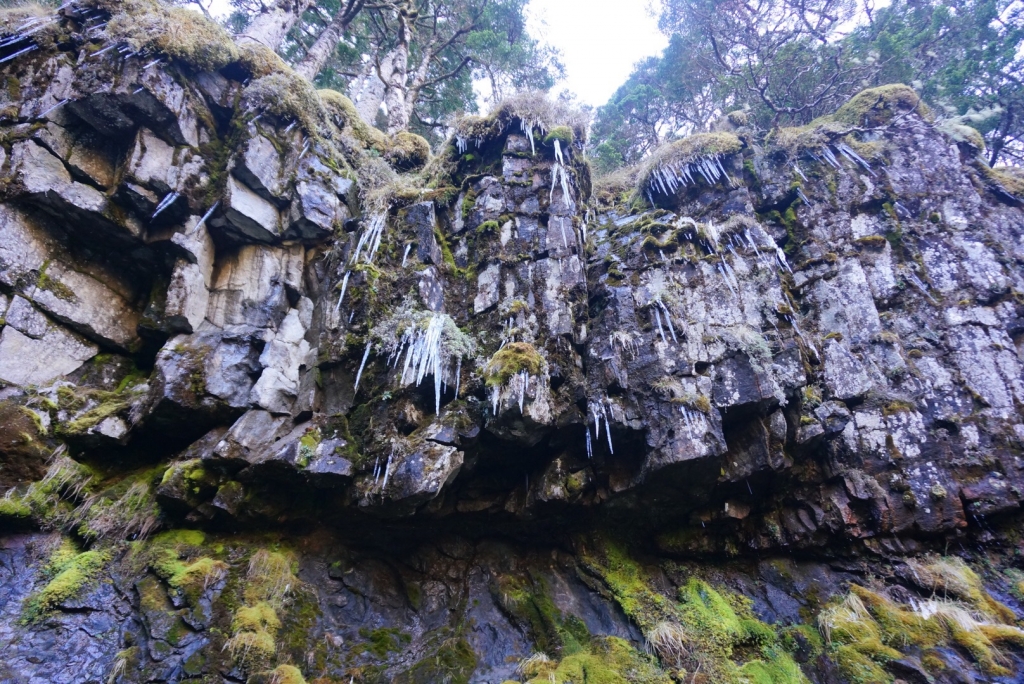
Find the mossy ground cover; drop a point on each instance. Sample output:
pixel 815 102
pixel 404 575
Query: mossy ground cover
pixel 866 629
pixel 68 572
pixel 707 634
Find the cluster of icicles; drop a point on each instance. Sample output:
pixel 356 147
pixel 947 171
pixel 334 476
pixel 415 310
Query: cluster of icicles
pixel 669 176
pixel 827 156
pixel 600 410
pixel 518 384
pixel 424 355
pixel 378 471
pixel 366 250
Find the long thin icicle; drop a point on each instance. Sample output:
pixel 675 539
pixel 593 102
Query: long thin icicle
pixel 362 365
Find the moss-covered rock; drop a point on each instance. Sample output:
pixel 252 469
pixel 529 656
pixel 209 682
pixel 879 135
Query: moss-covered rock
pixel 69 571
pixel 408 151
pixel 177 32
pixel 511 359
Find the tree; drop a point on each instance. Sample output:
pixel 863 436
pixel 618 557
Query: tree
pixel 268 23
pixel 789 61
pixel 965 59
pixel 320 51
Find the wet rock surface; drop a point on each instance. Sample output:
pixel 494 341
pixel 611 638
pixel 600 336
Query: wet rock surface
pixel 444 411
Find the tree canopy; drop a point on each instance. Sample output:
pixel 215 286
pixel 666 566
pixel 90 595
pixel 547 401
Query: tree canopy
pixel 417 58
pixel 787 62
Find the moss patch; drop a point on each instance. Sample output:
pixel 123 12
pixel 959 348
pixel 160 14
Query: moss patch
pixel 688 150
pixel 512 359
pixel 177 32
pixel 69 572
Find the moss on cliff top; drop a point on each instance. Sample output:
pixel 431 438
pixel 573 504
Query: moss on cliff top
pixel 869 108
pixel 540 115
pixel 177 32
pixel 344 113
pixel 878 106
pixel 408 151
pixel 688 150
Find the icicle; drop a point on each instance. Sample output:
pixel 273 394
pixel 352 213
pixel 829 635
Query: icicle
pixel 800 193
pixel 351 315
pixel 849 153
pixel 657 318
pixel 458 376
pixel 753 244
pixel 106 49
pixel 494 400
pixel 725 277
pixel 781 256
pixel 344 285
pixel 608 431
pixel 59 104
pixel 558 152
pixel 799 172
pixel 138 90
pixel 30 48
pixel 522 389
pixel 305 149
pixel 152 64
pixel 405 256
pixel 206 215
pixel 590 447
pixel 376 471
pixel 668 319
pixel 916 282
pixel 597 422
pixel 290 127
pixel 561 224
pixel 387 473
pixel 359 375
pixel 830 157
pixel 166 202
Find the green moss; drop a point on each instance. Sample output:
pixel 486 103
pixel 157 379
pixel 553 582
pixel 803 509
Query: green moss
pixel 488 227
pixel 878 106
pixel 512 359
pixel 59 289
pixel 177 32
pixel 1008 179
pixel 70 572
pixel 287 674
pixel 629 586
pixel 563 134
pixel 609 660
pixel 528 604
pixel 871 241
pixel 257 618
pixel 408 151
pixel 898 406
pixel 453 662
pixel 14 509
pixel 382 641
pixel 344 114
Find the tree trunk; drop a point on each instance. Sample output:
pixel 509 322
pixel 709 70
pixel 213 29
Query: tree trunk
pixel 270 27
pixel 394 71
pixel 368 96
pixel 321 50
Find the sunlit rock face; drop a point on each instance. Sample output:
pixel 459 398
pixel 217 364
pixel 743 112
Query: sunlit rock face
pixel 417 418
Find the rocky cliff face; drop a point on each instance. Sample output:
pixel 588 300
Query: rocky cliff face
pixel 281 403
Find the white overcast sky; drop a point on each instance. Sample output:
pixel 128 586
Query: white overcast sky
pixel 600 40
